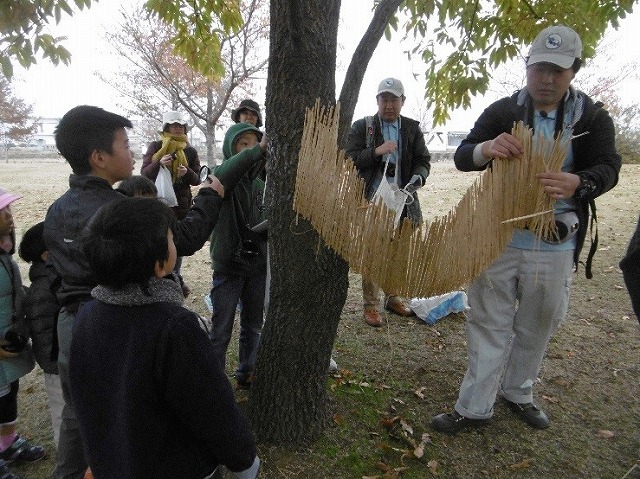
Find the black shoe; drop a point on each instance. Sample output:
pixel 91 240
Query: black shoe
pixel 5 472
pixel 23 451
pixel 245 382
pixel 530 414
pixel 451 423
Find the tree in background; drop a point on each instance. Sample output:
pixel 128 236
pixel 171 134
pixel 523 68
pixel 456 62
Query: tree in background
pixel 603 84
pixel 16 121
pixel 23 35
pixel 477 37
pixel 627 121
pixel 155 79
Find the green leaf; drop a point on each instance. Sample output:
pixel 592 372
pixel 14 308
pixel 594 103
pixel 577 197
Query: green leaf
pixel 7 67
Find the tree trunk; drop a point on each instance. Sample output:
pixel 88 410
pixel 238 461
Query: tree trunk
pixel 210 141
pixel 359 63
pixel 308 281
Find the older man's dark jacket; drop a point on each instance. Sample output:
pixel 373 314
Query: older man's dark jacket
pixel 415 159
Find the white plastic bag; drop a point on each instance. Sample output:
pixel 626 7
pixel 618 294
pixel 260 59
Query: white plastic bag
pixel 393 197
pixel 165 187
pixel 430 310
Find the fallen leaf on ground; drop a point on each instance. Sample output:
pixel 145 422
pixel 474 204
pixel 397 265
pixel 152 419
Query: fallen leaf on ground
pixel 603 433
pixel 420 392
pixel 419 451
pixel 521 465
pixel 551 399
pixel 388 422
pixel 433 466
pixel 406 426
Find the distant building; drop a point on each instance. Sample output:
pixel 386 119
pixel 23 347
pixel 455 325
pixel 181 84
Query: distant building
pixel 43 137
pixel 45 131
pixel 442 143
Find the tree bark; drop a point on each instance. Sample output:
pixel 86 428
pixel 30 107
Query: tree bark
pixel 309 282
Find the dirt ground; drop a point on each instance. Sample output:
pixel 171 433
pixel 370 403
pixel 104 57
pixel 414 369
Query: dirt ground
pixel 393 379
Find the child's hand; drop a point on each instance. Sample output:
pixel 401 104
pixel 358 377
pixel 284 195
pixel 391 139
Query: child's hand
pixel 214 184
pixel 182 170
pixel 264 142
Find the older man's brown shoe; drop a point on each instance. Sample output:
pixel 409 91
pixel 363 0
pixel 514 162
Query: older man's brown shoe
pixel 372 317
pixel 397 306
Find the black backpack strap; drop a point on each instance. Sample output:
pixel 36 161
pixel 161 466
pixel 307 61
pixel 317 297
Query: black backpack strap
pixel 594 239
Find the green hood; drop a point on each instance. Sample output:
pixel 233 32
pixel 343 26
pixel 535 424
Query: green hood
pixel 232 133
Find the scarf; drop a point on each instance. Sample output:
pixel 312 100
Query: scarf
pixel 158 290
pixel 172 144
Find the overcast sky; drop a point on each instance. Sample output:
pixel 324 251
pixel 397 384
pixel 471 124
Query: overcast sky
pixel 54 90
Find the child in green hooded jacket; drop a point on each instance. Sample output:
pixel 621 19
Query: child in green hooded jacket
pixel 239 254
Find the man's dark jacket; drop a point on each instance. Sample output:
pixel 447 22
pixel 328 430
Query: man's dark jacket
pixel 415 158
pixel 594 153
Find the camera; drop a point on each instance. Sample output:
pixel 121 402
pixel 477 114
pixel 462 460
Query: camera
pixel 17 342
pixel 566 228
pixel 249 249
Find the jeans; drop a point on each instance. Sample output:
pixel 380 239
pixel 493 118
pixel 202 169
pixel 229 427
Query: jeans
pixel 226 291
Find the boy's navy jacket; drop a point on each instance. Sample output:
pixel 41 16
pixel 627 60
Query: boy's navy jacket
pixel 233 244
pixel 146 373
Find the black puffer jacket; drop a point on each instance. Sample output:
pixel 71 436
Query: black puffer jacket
pixel 69 214
pixel 41 307
pixel 594 152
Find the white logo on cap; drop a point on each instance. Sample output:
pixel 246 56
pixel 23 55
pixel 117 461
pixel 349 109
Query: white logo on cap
pixel 553 41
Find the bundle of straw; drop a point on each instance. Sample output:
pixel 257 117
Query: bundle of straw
pixel 449 252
